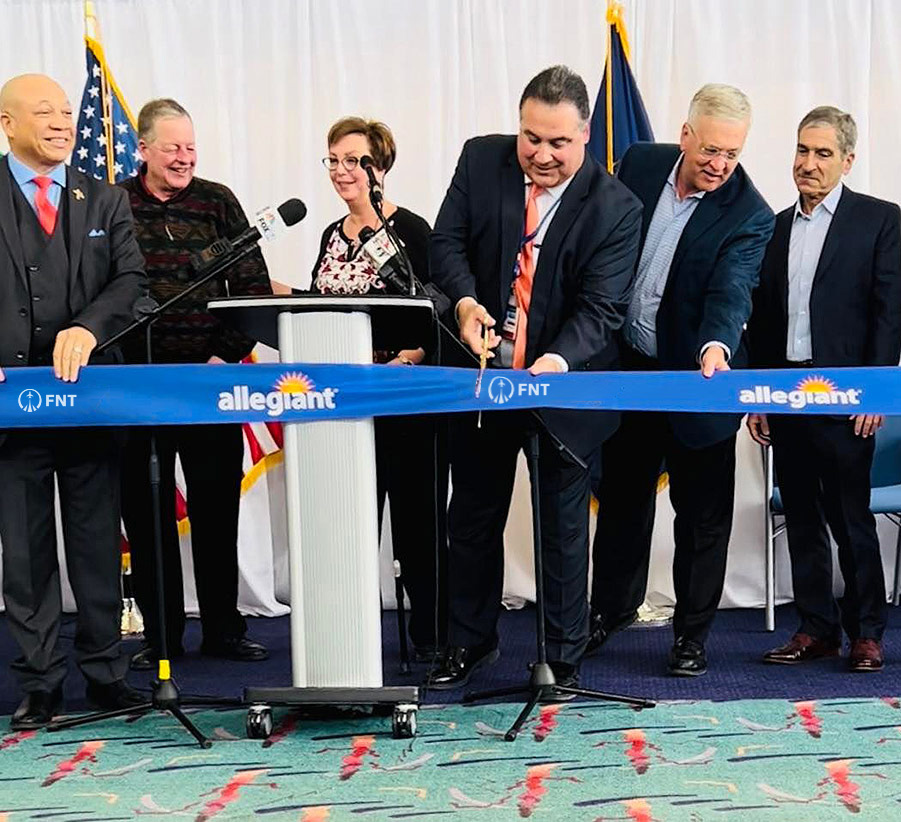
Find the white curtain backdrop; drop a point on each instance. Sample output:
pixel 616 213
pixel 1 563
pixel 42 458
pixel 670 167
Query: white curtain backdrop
pixel 264 79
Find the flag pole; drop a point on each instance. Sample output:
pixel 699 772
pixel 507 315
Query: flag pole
pixel 608 74
pixel 92 36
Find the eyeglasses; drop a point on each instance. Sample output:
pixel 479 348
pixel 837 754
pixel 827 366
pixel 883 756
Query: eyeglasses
pixel 711 152
pixel 349 163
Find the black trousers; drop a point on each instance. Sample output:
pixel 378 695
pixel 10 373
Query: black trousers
pixel 823 473
pixel 412 469
pixel 483 468
pixel 211 459
pixel 702 491
pixel 85 463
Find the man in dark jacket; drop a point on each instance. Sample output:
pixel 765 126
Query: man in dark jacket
pixel 70 273
pixel 829 295
pixel 536 242
pixel 703 235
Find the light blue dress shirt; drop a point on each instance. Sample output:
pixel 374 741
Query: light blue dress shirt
pixel 670 218
pixel 24 177
pixel 808 235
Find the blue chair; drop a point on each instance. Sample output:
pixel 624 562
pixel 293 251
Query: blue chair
pixel 885 499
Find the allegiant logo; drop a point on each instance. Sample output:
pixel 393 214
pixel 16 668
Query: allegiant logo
pixel 293 392
pixel 810 391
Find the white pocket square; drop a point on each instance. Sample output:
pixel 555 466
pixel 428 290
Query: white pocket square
pixel 96 232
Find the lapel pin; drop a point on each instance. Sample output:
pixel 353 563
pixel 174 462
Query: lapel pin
pixel 78 193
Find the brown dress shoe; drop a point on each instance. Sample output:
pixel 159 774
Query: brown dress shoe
pixel 866 656
pixel 802 648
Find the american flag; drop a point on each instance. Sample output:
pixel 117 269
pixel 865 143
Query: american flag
pixel 106 145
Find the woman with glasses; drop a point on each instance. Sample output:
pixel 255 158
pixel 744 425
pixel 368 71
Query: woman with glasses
pixel 411 458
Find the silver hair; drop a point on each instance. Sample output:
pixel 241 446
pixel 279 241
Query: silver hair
pixel 163 108
pixel 721 102
pixel 841 121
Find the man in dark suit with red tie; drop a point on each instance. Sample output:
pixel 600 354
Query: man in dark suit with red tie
pixel 537 242
pixel 70 273
pixel 829 296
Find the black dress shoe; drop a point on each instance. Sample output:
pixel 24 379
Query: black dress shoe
pixel 111 696
pixel 459 664
pixel 687 658
pixel 238 648
pixel 36 710
pixel 147 659
pixel 601 628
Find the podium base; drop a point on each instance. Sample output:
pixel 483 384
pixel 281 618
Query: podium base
pixel 401 701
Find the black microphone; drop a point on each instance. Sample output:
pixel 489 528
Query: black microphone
pixel 385 258
pixel 375 187
pixel 267 224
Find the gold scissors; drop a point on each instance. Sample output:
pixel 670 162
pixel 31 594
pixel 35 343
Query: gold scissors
pixel 483 360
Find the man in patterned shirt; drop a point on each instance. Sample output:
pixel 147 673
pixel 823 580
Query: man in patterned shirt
pixel 176 215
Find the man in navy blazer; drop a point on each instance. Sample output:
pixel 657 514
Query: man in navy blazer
pixel 829 295
pixel 704 231
pixel 584 246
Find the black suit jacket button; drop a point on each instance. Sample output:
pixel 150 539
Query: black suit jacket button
pixel 38 329
pixel 23 312
pixel 36 298
pixel 20 355
pixel 33 268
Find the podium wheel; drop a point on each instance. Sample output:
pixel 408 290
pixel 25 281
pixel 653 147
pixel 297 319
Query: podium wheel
pixel 259 722
pixel 403 721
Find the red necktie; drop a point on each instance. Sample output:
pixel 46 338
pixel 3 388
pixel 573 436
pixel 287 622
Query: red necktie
pixel 46 210
pixel 522 285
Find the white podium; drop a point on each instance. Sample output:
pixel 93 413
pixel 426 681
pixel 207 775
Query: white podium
pixel 336 645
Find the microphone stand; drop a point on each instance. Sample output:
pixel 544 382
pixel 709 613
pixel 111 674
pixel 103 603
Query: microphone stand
pixel 542 685
pixel 375 197
pixel 165 695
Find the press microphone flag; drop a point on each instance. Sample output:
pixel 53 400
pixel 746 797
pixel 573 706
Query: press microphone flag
pixel 268 224
pixel 382 255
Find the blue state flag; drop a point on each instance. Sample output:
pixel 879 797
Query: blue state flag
pixel 619 118
pixel 106 143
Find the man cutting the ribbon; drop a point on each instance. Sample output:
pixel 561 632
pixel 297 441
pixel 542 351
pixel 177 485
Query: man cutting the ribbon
pixel 536 242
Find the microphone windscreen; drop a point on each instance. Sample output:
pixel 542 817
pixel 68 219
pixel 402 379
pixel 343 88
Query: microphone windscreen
pixel 292 211
pixel 366 234
pixel 366 162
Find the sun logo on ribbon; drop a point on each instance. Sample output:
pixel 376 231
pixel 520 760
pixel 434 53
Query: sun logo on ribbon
pixel 294 383
pixel 816 385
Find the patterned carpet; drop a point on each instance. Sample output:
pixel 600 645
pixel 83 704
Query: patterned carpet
pixel 692 760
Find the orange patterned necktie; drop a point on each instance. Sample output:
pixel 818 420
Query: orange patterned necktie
pixel 522 285
pixel 46 210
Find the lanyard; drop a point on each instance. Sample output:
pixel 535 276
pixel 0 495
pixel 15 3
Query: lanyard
pixel 528 238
